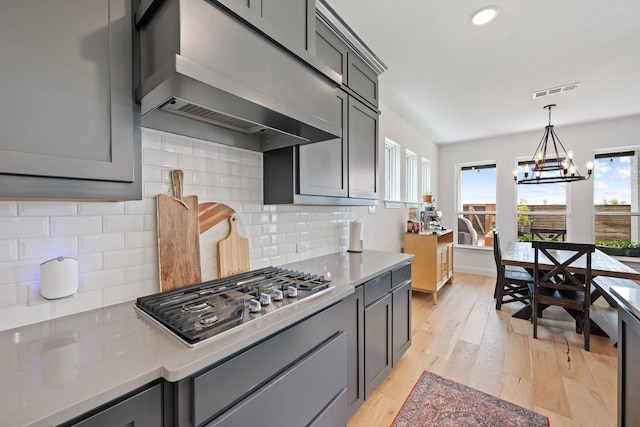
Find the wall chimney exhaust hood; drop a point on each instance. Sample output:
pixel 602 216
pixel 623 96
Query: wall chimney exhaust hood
pixel 207 75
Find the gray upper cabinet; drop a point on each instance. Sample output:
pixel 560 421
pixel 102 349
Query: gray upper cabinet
pixel 362 79
pixel 323 165
pixel 288 22
pixel 69 124
pixel 363 150
pixel 331 50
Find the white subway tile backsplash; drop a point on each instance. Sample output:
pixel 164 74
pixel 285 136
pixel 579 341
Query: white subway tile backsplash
pixel 89 262
pixel 144 206
pixel 99 208
pixel 123 258
pixel 207 151
pixel 176 145
pixel 46 208
pixel 160 158
pixel 142 272
pixel 115 223
pixel 8 209
pixel 141 239
pixel 21 227
pixel 218 166
pixel 117 242
pixel 65 225
pixel 101 242
pixel 207 179
pixel 122 293
pixel 8 295
pixel 44 248
pixel 101 279
pixel 192 163
pixel 8 250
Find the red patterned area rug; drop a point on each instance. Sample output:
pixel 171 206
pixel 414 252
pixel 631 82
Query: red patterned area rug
pixel 439 402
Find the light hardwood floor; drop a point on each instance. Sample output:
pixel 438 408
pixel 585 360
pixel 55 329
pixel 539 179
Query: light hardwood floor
pixel 466 339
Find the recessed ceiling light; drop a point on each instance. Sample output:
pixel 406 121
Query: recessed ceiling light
pixel 485 15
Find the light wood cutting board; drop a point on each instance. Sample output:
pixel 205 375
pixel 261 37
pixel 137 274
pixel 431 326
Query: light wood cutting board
pixel 214 226
pixel 178 237
pixel 233 252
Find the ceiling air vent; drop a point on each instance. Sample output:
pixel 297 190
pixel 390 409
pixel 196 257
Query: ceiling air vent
pixel 555 90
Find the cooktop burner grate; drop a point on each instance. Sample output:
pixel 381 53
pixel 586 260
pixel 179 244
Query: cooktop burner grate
pixel 198 312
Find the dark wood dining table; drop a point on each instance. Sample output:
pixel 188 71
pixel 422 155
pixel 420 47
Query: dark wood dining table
pixel 522 254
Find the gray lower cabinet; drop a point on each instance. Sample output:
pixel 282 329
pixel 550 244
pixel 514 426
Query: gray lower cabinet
pixel 141 409
pixel 378 326
pixel 296 377
pixel 70 126
pixel 355 349
pixel 628 373
pixel 401 300
pixel 377 343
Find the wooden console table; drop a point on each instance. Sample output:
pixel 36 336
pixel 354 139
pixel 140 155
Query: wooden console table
pixel 432 266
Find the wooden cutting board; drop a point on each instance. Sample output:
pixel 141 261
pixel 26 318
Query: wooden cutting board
pixel 178 237
pixel 233 252
pixel 214 226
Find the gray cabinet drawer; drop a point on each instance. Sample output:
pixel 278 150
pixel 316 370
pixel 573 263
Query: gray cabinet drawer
pixel 400 275
pixel 335 414
pixel 143 409
pixel 297 396
pixel 375 288
pixel 217 389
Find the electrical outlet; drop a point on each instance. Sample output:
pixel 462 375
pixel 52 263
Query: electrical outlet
pixel 302 247
pixel 372 209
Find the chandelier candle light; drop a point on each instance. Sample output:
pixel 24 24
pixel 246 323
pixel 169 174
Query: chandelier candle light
pixel 551 163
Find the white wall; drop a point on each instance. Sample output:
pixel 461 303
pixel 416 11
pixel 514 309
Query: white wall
pixel 384 229
pixel 116 243
pixel 584 140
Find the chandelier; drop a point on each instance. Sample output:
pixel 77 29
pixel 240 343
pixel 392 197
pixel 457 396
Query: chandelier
pixel 551 163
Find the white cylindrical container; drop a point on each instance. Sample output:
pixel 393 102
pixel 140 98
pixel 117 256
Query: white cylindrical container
pixel 59 277
pixel 355 237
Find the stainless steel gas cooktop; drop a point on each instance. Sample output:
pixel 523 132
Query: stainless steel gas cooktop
pixel 200 312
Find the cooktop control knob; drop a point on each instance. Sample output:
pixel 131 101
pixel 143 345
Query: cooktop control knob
pixel 292 291
pixel 254 306
pixel 265 299
pixel 278 295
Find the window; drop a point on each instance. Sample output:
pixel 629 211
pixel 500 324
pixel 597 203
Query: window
pixel 412 177
pixel 426 175
pixel 392 169
pixel 476 204
pixel 541 207
pixel 615 202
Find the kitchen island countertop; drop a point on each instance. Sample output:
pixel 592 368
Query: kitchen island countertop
pixel 55 370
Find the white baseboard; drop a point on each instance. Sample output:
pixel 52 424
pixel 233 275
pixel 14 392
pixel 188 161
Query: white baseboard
pixel 491 272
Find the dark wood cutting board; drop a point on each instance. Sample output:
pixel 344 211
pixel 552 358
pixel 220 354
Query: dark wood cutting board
pixel 178 237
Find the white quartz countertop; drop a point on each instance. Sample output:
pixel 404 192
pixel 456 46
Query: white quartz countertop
pixel 56 370
pixel 629 297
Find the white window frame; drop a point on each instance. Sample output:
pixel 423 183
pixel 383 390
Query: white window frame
pixel 633 212
pixel 411 187
pixel 459 203
pixel 426 175
pixel 392 170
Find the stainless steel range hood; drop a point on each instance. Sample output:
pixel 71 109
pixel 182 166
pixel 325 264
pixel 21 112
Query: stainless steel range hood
pixel 207 75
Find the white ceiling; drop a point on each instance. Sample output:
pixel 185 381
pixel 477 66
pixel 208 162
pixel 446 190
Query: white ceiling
pixel 456 82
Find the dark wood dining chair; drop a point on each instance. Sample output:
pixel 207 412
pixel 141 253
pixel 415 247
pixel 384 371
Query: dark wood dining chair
pixel 556 285
pixel 512 282
pixel 554 234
